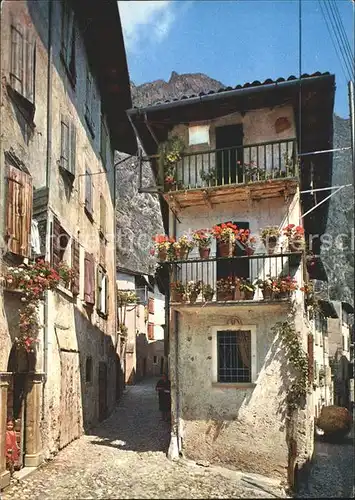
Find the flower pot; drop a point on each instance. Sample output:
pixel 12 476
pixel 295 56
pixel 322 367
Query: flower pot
pixel 249 251
pixel 178 297
pixel 162 254
pixel 225 249
pixel 193 297
pixel 182 254
pixel 247 294
pixel 204 252
pixel 237 292
pixel 267 293
pixel 270 244
pixel 224 295
pixel 208 296
pixel 281 295
pixel 296 246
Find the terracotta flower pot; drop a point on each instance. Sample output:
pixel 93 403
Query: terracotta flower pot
pixel 270 244
pixel 247 294
pixel 267 293
pixel 225 249
pixel 204 252
pixel 295 246
pixel 224 295
pixel 193 298
pixel 208 296
pixel 237 292
pixel 281 295
pixel 178 297
pixel 162 254
pixel 182 254
pixel 249 250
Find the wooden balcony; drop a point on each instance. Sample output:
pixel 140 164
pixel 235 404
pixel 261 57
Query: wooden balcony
pixel 249 172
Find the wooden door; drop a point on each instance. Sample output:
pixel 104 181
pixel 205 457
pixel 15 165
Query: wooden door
pixel 229 161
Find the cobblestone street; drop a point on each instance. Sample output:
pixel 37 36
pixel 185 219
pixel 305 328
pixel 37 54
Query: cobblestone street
pixel 125 457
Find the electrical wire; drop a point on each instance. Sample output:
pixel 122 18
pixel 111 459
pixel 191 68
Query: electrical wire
pixel 332 39
pixel 343 34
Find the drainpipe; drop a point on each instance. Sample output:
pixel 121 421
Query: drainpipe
pixel 175 443
pixel 48 169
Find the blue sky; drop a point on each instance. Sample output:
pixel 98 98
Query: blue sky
pixel 232 41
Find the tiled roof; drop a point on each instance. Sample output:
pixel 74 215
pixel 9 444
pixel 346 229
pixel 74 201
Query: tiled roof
pixel 255 83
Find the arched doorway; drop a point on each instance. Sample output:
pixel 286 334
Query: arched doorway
pixel 20 364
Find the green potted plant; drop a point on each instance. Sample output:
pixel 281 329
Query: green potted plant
pixel 170 153
pixel 178 291
pixel 265 285
pixel 207 292
pixel 193 290
pixel 66 273
pixel 162 245
pixel 295 237
pixel 228 288
pixel 247 289
pixel 183 246
pixel 270 236
pixel 225 235
pixel 202 239
pixel 209 176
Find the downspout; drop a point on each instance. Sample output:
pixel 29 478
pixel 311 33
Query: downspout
pixel 48 169
pixel 175 449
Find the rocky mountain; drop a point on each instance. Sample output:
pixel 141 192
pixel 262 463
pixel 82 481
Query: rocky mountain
pixel 139 214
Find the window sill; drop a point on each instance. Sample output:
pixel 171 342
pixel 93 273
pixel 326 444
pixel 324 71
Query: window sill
pixel 233 385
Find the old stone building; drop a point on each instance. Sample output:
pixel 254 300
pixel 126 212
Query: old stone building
pixel 230 159
pixel 65 87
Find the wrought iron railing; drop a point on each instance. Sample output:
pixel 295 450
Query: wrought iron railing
pixel 236 165
pixel 231 278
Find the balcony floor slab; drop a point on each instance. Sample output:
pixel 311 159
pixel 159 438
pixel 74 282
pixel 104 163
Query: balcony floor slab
pixel 230 307
pixel 209 196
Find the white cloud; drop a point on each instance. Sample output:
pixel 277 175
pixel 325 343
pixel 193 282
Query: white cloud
pixel 145 21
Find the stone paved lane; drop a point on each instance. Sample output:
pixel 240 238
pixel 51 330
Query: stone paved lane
pixel 332 471
pixel 125 457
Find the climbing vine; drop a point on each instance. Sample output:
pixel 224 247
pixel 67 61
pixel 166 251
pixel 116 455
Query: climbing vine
pixel 299 360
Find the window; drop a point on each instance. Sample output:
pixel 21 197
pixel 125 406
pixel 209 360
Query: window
pixel 67 145
pixel 22 72
pixel 155 360
pixel 102 292
pixel 88 193
pixel 89 102
pixel 150 331
pixel 102 216
pixel 199 134
pixel 68 40
pixel 234 356
pixel 19 198
pixel 89 279
pixel 151 305
pixel 88 370
pixel 103 141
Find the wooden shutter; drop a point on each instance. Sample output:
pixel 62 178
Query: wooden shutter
pixel 18 211
pixel 105 294
pixel 17 58
pixel 56 243
pixel 89 285
pixel 99 276
pixel 310 359
pixel 72 158
pixel 151 305
pixel 64 142
pixel 102 215
pixel 150 331
pixel 75 254
pixel 29 68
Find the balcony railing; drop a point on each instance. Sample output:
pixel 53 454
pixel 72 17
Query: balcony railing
pixel 235 165
pixel 229 278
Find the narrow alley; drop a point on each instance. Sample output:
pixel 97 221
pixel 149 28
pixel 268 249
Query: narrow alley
pixel 125 457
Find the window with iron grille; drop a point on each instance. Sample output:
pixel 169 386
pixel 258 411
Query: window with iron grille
pixel 234 356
